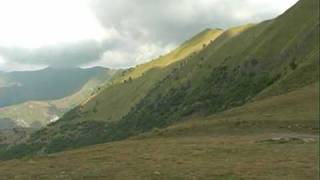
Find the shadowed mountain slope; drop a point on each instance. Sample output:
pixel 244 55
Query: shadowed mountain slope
pixel 232 68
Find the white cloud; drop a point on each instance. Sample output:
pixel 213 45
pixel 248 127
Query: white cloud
pixel 62 55
pixel 114 59
pixel 168 21
pixel 2 61
pixel 148 28
pixel 6 66
pixel 36 23
pixel 124 32
pixel 122 58
pixel 150 51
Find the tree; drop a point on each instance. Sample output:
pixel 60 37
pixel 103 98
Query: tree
pixel 293 65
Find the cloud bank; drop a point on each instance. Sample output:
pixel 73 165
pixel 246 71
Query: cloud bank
pixel 140 30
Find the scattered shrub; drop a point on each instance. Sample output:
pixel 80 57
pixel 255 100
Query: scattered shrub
pixel 293 65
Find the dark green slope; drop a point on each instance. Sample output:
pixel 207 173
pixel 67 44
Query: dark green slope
pixel 274 138
pixel 133 84
pixel 275 56
pixel 240 65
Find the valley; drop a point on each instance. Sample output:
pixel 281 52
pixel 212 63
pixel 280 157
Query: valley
pixel 260 140
pixel 235 103
pixel 36 113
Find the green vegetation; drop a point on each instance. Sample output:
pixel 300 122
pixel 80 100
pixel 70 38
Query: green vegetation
pixel 235 104
pixel 132 85
pixel 274 138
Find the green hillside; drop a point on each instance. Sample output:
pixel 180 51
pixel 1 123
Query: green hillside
pixel 212 73
pixel 132 85
pixel 229 75
pixel 273 138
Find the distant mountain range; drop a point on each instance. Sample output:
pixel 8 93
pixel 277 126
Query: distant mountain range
pixel 35 98
pixel 215 71
pixel 46 84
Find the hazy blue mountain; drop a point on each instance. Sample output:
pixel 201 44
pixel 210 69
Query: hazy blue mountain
pixel 45 84
pixel 32 99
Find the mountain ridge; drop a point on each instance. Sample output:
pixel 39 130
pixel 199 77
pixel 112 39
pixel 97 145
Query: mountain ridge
pixel 234 67
pixel 36 114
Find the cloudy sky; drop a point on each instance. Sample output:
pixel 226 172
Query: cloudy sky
pixel 83 33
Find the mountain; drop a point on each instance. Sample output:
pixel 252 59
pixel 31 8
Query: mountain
pixel 38 90
pixel 217 71
pixel 23 86
pixel 132 85
pixel 265 139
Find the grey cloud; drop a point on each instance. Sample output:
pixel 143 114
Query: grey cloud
pixel 170 21
pixel 66 55
pixel 144 29
pixel 158 25
pixel 121 58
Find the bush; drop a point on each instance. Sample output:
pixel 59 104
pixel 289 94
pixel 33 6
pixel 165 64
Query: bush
pixel 293 65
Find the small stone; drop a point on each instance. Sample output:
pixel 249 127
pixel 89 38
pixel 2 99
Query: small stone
pixel 308 140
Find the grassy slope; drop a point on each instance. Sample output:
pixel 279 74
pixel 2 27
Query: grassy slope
pixel 241 143
pixel 39 113
pixel 240 65
pixel 117 100
pixel 254 61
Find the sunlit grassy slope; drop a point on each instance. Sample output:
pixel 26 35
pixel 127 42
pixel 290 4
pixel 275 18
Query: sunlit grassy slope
pixel 230 69
pixel 134 84
pixel 276 50
pixel 273 138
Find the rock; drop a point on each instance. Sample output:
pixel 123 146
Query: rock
pixel 308 140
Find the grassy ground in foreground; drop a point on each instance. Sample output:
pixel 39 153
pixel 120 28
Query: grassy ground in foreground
pixel 275 138
pixel 204 157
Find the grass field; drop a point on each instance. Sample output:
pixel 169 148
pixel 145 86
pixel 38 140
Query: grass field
pixel 241 103
pixel 275 138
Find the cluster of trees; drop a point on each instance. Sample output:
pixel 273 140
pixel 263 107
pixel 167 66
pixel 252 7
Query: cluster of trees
pixel 128 80
pixel 224 87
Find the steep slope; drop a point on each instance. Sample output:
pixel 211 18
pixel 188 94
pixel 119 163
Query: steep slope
pixel 35 114
pixel 229 75
pixel 132 85
pixel 6 123
pixel 238 66
pixel 273 138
